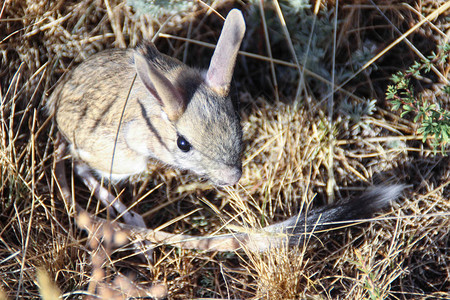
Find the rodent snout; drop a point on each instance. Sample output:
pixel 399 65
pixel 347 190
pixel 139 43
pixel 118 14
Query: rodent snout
pixel 227 176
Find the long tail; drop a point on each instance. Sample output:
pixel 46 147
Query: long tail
pixel 289 232
pixel 338 215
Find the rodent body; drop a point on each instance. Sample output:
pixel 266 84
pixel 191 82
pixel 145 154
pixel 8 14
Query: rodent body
pixel 103 107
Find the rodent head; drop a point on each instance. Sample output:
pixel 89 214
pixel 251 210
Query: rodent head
pixel 198 108
pixel 200 130
pixel 209 137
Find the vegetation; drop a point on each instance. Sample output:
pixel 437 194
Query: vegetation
pixel 321 119
pixel 434 118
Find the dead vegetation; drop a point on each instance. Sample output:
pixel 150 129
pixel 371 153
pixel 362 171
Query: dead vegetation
pixel 298 153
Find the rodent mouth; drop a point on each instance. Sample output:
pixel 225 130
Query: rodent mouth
pixel 222 183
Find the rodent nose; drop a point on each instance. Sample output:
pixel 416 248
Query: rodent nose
pixel 228 176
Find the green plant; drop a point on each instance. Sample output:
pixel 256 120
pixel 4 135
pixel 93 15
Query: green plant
pixel 355 112
pixel 434 119
pixel 311 34
pixel 370 276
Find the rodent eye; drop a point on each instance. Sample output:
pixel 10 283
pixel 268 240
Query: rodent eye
pixel 183 144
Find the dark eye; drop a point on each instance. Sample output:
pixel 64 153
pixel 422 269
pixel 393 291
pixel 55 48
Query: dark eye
pixel 183 144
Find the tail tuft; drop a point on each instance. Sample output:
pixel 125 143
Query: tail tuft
pixel 372 201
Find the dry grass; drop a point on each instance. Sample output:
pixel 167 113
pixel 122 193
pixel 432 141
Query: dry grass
pixel 288 161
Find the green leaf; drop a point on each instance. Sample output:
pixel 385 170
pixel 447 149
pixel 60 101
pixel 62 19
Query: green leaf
pixel 445 134
pixel 408 108
pixel 404 113
pixel 396 105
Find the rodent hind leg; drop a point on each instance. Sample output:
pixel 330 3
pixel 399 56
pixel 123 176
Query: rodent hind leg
pixel 131 218
pixel 100 192
pixel 108 199
pixel 60 175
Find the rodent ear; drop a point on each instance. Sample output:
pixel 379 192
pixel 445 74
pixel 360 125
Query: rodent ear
pixel 160 87
pixel 223 60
